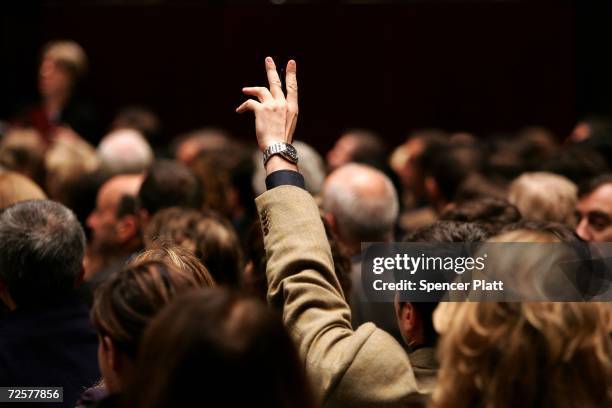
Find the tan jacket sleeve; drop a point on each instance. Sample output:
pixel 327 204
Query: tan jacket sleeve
pixel 361 368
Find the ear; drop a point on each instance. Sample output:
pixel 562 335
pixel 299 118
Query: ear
pixel 331 221
pixel 409 323
pixel 431 188
pixel 127 228
pixel 112 355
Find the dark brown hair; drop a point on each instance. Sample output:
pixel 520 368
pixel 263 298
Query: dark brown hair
pixel 212 346
pixel 124 305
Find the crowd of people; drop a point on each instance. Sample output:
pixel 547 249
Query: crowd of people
pixel 146 275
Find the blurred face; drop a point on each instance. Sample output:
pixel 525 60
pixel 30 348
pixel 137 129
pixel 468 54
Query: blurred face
pixel 411 173
pixel 103 220
pixel 594 213
pixel 342 152
pixel 53 79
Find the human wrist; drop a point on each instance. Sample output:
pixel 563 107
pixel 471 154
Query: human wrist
pixel 277 162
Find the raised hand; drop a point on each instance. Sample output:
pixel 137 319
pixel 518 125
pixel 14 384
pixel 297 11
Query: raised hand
pixel 275 113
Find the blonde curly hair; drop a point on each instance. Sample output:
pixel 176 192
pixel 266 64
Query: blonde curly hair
pixel 531 354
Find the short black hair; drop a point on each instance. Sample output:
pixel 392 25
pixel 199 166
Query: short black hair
pixel 169 184
pixel 450 165
pixel 449 231
pixel 578 163
pixel 593 184
pixel 41 251
pixel 490 212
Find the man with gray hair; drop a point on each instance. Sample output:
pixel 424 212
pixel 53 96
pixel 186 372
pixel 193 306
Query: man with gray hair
pixel 46 336
pixel 361 205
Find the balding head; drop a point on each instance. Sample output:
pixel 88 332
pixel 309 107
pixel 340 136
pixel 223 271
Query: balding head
pixel 361 204
pixel 114 222
pixel 125 151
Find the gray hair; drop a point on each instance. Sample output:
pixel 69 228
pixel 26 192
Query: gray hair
pixel 41 251
pixel 361 215
pixel 125 151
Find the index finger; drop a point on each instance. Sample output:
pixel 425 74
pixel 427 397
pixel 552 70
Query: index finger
pixel 273 79
pixel 291 82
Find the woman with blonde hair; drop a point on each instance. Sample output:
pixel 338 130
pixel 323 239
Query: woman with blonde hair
pixel 15 188
pixel 528 354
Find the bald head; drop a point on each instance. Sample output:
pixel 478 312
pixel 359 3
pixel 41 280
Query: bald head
pixel 361 203
pixel 114 220
pixel 125 151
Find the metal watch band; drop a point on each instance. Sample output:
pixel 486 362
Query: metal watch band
pixel 285 150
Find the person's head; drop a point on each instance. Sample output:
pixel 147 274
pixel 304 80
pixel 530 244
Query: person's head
pixel 66 161
pixel 41 253
pixel 168 183
pixel 526 354
pixel 415 319
pixel 15 187
pixel 178 257
pixel 62 65
pixel 360 205
pixel 356 145
pixel 212 239
pixel 407 159
pixel 544 196
pixel 141 118
pixel 125 303
pixel 224 341
pixel 491 213
pixel 594 209
pixel 189 146
pixel 579 163
pixel 446 168
pixel 114 223
pixel 23 151
pixel 124 151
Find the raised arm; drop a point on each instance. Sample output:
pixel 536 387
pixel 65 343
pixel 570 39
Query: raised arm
pixel 366 367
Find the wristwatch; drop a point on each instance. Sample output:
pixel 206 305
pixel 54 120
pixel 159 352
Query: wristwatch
pixel 285 150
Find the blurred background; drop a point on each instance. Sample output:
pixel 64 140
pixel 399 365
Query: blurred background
pixel 478 66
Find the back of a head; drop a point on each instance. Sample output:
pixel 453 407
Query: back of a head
pixel 576 162
pixel 491 213
pixel 124 151
pixel 210 238
pixel 23 151
pixel 544 196
pixel 169 184
pixel 235 347
pixel 363 202
pixel 526 354
pixel 15 188
pixel 450 165
pixel 66 161
pixel 177 256
pixel 41 251
pixel 125 303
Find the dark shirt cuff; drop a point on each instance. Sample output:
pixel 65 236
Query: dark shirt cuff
pixel 285 178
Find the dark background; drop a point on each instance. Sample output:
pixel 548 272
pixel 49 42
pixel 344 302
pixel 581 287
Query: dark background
pixel 482 66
